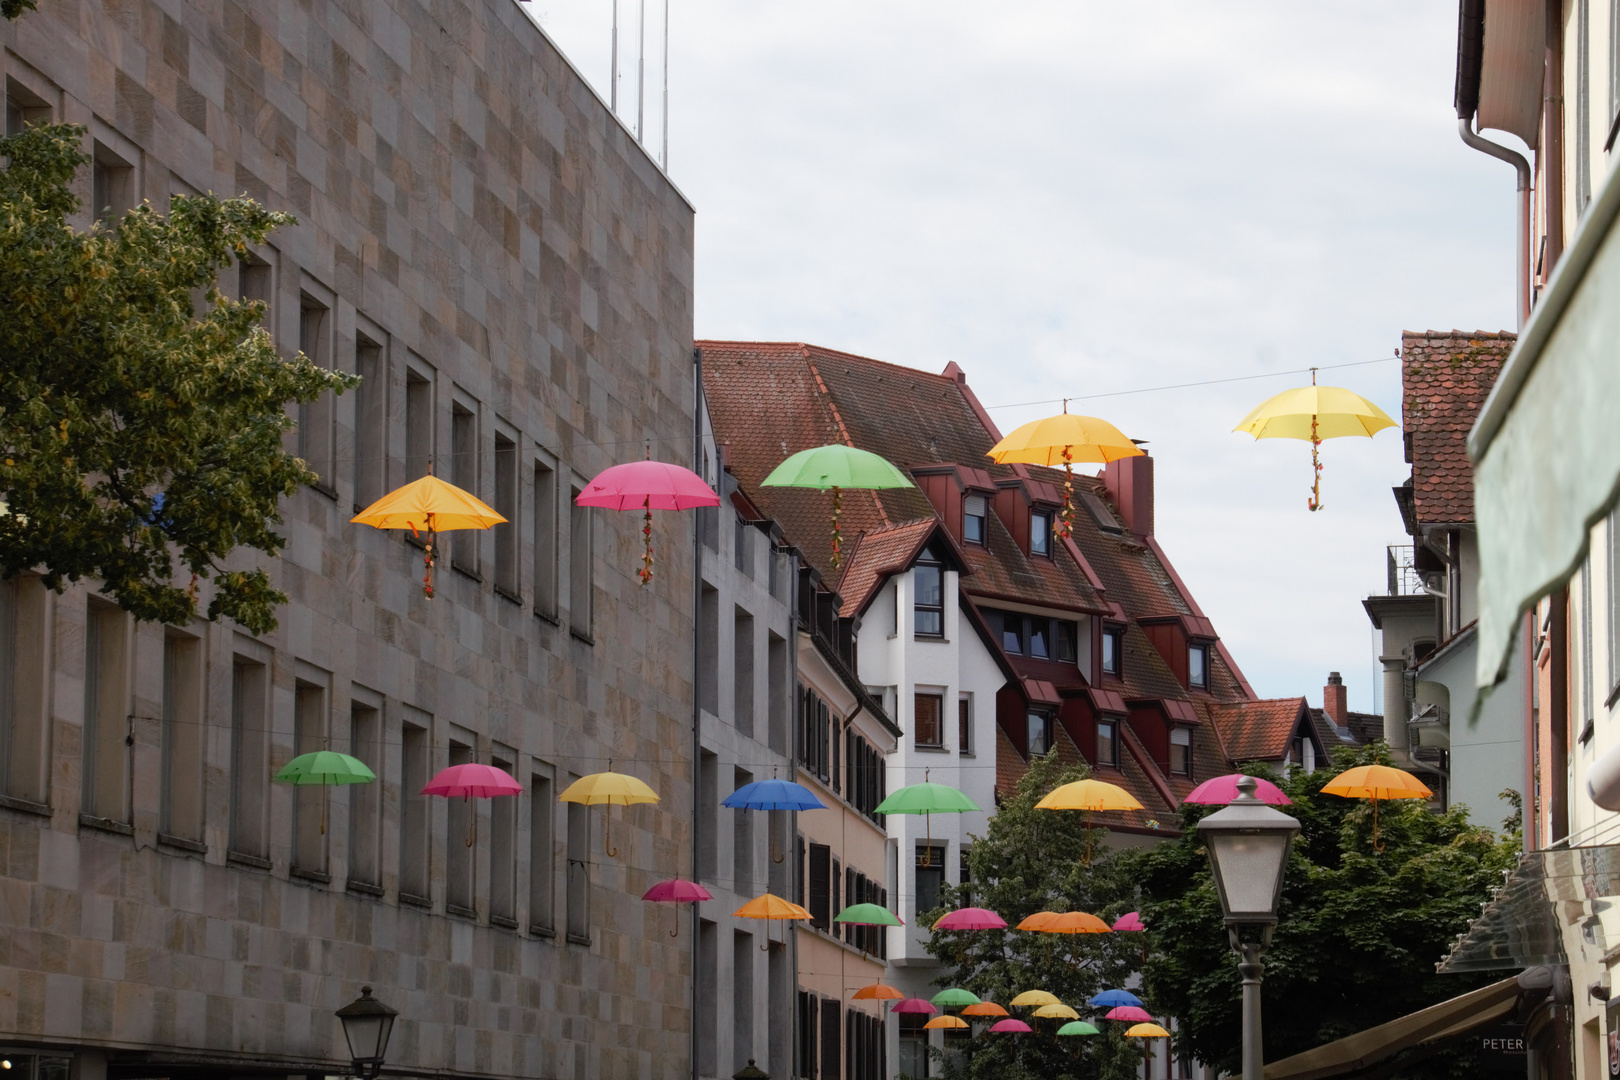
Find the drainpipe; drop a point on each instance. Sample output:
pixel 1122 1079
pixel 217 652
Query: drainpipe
pixel 697 718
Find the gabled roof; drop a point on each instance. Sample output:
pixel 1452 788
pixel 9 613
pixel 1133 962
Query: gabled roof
pixel 1446 376
pixel 1258 730
pixel 877 554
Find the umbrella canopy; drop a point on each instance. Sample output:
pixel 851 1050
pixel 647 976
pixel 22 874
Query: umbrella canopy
pixel 971 918
pixel 946 1022
pixel 1223 789
pixel 955 999
pixel 325 767
pixel 1109 999
pixel 770 906
pixel 647 485
pixel 677 891
pixel 1056 1012
pixel 1037 921
pixel 927 798
pixel 868 915
pixel 1129 1013
pixel 1089 795
pixel 1058 440
pixel 773 795
pixel 1314 413
pixel 428 505
pixel 984 1008
pixel 1128 922
pixel 913 1005
pixel 878 992
pixel 608 788
pixel 1077 1027
pixel 836 466
pixel 1035 997
pixel 1377 782
pixel 1009 1025
pixel 1147 1031
pixel 1075 922
pixel 472 781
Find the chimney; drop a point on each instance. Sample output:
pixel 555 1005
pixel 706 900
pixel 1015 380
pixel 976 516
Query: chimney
pixel 1130 485
pixel 1335 699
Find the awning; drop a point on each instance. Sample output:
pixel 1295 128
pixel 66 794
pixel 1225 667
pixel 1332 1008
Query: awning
pixel 1437 1023
pixel 1546 446
pixel 1513 68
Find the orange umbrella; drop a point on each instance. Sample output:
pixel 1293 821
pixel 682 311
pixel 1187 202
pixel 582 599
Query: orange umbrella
pixel 1377 782
pixel 1037 921
pixel 1063 440
pixel 428 505
pixel 946 1022
pixel 1089 795
pixel 1075 922
pixel 878 992
pixel 769 906
pixel 984 1008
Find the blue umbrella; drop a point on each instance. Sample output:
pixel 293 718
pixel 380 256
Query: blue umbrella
pixel 1112 999
pixel 773 795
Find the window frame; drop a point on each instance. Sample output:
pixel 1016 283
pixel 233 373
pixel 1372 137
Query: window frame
pixel 1046 723
pixel 1201 651
pixel 1112 760
pixel 1113 636
pixel 1187 756
pixel 918 609
pixel 1045 550
pixel 982 518
pixel 938 698
pixel 964 725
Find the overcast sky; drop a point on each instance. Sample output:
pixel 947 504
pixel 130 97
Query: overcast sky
pixel 1070 197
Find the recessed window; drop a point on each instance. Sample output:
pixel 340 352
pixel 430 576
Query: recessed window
pixel 1063 641
pixel 1040 532
pixel 1107 743
pixel 964 724
pixel 928 580
pixel 927 720
pixel 1198 666
pixel 1112 647
pixel 1012 632
pixel 974 508
pixel 1181 751
pixel 930 875
pixel 1040 638
pixel 1040 733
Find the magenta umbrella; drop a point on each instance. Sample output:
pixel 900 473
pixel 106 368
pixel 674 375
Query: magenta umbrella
pixel 472 782
pixel 1009 1025
pixel 647 486
pixel 1223 789
pixel 913 1005
pixel 1129 921
pixel 677 891
pixel 971 918
pixel 1130 1014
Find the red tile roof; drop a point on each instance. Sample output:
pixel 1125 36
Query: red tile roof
pixel 877 554
pixel 1446 376
pixel 1257 730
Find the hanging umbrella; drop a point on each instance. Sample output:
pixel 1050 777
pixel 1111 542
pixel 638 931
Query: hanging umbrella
pixel 1064 440
pixel 647 486
pixel 1077 1027
pixel 472 781
pixel 428 505
pixel 1010 1025
pixel 773 794
pixel 1377 782
pixel 324 767
pixel 971 918
pixel 1109 999
pixel 868 915
pixel 773 908
pixel 1223 789
pixel 1314 413
pixel 1088 795
pixel 1037 921
pixel 1147 1031
pixel 984 1008
pixel 1056 1012
pixel 913 1005
pixel 838 467
pixel 608 789
pixel 1035 997
pixel 877 992
pixel 677 891
pixel 946 1022
pixel 1132 1014
pixel 1128 923
pixel 1075 922
pixel 927 799
pixel 955 999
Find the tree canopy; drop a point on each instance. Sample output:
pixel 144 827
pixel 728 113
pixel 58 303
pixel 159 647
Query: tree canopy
pixel 142 439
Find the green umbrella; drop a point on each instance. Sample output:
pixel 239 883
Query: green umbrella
pixel 1077 1027
pixel 925 799
pixel 868 915
pixel 954 999
pixel 836 466
pixel 325 767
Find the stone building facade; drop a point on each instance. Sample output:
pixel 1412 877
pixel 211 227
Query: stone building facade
pixel 511 273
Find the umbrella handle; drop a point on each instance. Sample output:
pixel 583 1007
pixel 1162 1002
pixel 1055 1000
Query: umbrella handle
pixel 675 933
pixel 1066 529
pixel 607 831
pixel 472 821
pixel 1315 501
pixel 837 536
pixel 646 571
pixel 1376 845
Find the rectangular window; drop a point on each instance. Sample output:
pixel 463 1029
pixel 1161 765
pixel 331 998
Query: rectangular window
pixel 1012 631
pixel 365 800
pixel 23 109
pixel 580 561
pixel 370 423
pixel 459 837
pixel 831 1022
pixel 820 886
pixel 1040 532
pixel 928 580
pixel 579 873
pixel 1181 751
pixel 1107 743
pixel 930 872
pixel 913 1045
pixel 742 840
pixel 743 1004
pixel 1198 666
pixel 545 540
pixel 24 724
pixel 506 505
pixel 250 765
pixel 964 725
pixel 413 814
pixel 742 671
pixel 807 1023
pixel 927 721
pixel 182 806
pixel 503 849
pixel 464 474
pixel 112 186
pixel 706 996
pixel 742 546
pixel 777 689
pixel 974 509
pixel 1112 647
pixel 309 800
pixel 1064 641
pixel 1040 733
pixel 708 645
pixel 106 713
pixel 964 875
pixel 255 284
pixel 708 825
pixel 542 856
pixel 317 433
pixel 418 424
pixel 1040 637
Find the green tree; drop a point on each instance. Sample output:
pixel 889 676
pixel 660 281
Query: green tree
pixel 142 439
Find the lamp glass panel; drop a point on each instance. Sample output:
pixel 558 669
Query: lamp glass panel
pixel 1249 865
pixel 365 1034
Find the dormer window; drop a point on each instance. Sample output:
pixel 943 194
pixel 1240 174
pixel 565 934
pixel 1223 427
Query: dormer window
pixel 1112 646
pixel 928 583
pixel 1107 743
pixel 1198 666
pixel 974 509
pixel 1040 733
pixel 1181 751
pixel 1040 532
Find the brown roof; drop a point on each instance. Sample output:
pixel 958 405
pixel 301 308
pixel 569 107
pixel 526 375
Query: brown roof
pixel 1257 730
pixel 875 555
pixel 1445 377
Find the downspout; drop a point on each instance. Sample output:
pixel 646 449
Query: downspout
pixel 697 718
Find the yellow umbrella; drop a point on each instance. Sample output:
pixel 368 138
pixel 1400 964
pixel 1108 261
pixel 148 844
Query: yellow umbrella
pixel 428 505
pixel 1147 1031
pixel 946 1022
pixel 770 906
pixel 1377 782
pixel 1035 997
pixel 1063 440
pixel 608 789
pixel 1314 413
pixel 1089 795
pixel 1058 1011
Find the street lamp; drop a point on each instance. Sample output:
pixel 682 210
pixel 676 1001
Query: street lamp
pixel 1248 848
pixel 367 1023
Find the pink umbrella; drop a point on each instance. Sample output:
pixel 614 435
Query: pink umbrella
pixel 677 891
pixel 647 486
pixel 1130 1014
pixel 1223 789
pixel 1129 921
pixel 971 918
pixel 1009 1025
pixel 913 1005
pixel 472 782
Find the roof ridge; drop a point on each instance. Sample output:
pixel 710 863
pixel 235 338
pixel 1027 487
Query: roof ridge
pixel 829 352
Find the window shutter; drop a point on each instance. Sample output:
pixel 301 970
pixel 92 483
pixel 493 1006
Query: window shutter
pixel 831 1059
pixel 820 872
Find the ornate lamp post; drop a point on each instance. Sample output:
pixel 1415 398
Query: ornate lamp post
pixel 367 1023
pixel 1248 846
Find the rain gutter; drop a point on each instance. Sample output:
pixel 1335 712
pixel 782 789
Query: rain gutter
pixel 697 718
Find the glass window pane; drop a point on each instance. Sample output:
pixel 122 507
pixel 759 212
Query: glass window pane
pixel 1106 754
pixel 1249 864
pixel 1040 533
pixel 1039 631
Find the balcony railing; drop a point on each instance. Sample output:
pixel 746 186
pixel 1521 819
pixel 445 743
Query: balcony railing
pixel 1404 579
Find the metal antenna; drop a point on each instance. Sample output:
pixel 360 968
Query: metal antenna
pixel 664 156
pixel 641 70
pixel 613 80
